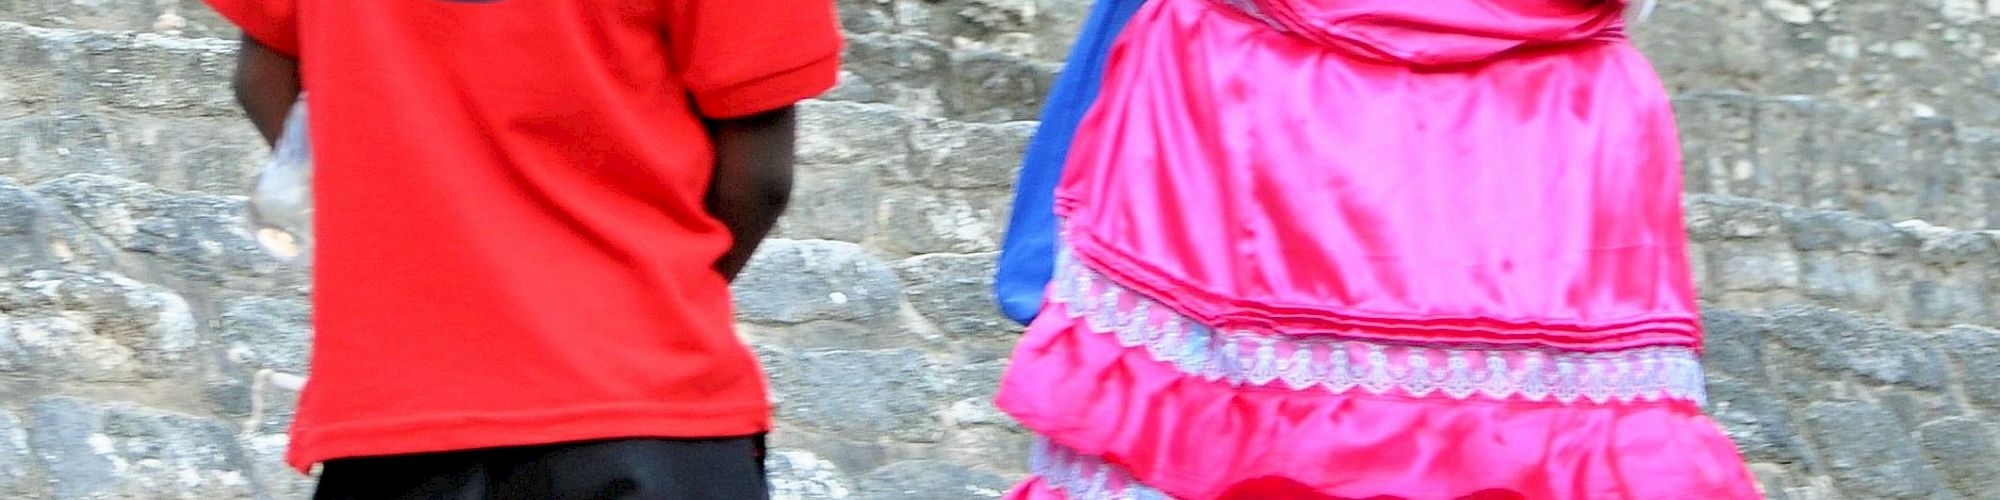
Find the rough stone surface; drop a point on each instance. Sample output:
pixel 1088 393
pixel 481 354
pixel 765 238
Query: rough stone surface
pixel 955 291
pixel 91 327
pixel 1870 464
pixel 799 281
pixel 266 332
pixel 200 238
pixel 858 393
pixel 932 480
pixel 801 475
pixel 1843 165
pixel 113 450
pixel 17 462
pixel 1974 351
pixel 1966 451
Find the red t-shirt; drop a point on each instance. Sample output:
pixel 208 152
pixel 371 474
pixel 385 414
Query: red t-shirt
pixel 511 243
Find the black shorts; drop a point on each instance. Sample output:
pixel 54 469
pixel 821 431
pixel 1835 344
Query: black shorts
pixel 635 469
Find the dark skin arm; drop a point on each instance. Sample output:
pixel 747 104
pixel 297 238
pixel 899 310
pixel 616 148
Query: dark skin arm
pixel 267 83
pixel 752 181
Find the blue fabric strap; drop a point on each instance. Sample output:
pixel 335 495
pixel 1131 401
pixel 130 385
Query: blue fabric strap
pixel 1028 256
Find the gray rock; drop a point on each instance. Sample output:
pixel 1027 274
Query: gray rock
pixel 36 234
pixel 1966 452
pixel 17 461
pixel 1838 341
pixel 995 87
pixel 137 72
pixel 859 395
pixel 1958 248
pixel 118 450
pixel 931 480
pixel 93 327
pixel 1975 349
pixel 1760 266
pixel 211 154
pixel 273 478
pixel 200 238
pixel 183 17
pixel 1845 232
pixel 1945 303
pixel 1734 344
pixel 925 222
pixel 268 332
pixel 907 71
pixel 1865 461
pixel 801 475
pixel 853 136
pixel 955 292
pixel 796 281
pixel 1714 217
pixel 831 202
pixel 953 155
pixel 1756 419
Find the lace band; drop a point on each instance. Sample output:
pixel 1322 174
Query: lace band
pixel 1084 477
pixel 1345 365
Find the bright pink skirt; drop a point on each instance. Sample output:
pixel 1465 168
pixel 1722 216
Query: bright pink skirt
pixel 1372 249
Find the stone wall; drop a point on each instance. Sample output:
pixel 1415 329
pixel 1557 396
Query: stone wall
pixel 1843 170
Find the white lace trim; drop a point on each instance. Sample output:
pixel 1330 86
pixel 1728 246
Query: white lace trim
pixel 1344 366
pixel 1085 477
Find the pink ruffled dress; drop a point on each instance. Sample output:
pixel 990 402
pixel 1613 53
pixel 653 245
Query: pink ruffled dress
pixel 1373 249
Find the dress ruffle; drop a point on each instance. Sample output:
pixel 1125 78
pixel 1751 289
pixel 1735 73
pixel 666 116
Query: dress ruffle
pixel 1189 437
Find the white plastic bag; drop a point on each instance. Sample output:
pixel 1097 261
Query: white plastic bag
pixel 281 207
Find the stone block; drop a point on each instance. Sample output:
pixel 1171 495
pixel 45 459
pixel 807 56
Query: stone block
pixel 1714 217
pixel 1734 342
pixel 831 202
pixel 854 136
pixel 268 332
pixel 955 292
pixel 797 281
pixel 1866 461
pixel 907 71
pixel 1835 340
pixel 1966 452
pixel 1756 267
pixel 988 86
pixel 1953 249
pixel 17 462
pixel 917 221
pixel 36 234
pixel 69 325
pixel 174 17
pixel 1976 350
pixel 96 450
pixel 126 71
pixel 1757 419
pixel 273 478
pixel 801 475
pixel 858 395
pixel 1960 299
pixel 931 480
pixel 1813 230
pixel 200 238
pixel 209 154
pixel 956 155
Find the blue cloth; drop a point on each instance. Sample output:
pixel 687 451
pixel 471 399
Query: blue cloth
pixel 1027 257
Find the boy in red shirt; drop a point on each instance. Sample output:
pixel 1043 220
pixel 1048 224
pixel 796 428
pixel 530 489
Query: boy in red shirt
pixel 528 215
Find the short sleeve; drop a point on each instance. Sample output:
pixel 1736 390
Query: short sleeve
pixel 743 57
pixel 274 23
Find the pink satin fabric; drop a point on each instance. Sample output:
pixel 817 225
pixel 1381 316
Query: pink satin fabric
pixel 1198 439
pixel 1485 178
pixel 1262 179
